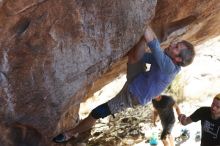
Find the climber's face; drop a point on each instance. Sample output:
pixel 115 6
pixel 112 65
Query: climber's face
pixel 174 50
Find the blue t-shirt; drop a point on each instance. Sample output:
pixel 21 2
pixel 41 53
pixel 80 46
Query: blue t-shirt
pixel 148 85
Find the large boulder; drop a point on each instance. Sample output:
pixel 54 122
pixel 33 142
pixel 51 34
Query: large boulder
pixel 51 54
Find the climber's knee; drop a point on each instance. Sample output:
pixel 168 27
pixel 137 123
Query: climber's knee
pixel 101 111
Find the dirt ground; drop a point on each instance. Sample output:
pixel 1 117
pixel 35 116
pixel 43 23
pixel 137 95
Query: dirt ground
pixel 133 127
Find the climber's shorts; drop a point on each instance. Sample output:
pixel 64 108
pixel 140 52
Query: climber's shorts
pixel 121 101
pixel 124 99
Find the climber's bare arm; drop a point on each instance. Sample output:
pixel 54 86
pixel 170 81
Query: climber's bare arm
pixel 149 35
pixel 137 51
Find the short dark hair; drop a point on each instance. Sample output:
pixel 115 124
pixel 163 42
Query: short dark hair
pixel 187 54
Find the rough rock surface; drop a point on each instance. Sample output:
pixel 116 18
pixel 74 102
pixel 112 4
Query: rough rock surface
pixel 55 53
pixel 51 53
pixel 192 20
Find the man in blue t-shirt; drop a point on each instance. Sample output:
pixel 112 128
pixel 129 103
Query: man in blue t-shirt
pixel 141 86
pixel 210 122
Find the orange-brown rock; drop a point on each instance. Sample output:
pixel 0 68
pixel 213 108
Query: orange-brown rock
pixel 51 53
pixel 56 53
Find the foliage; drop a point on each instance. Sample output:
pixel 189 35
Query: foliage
pixel 176 88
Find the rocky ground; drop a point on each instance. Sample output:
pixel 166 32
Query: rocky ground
pixel 128 128
pixel 133 127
